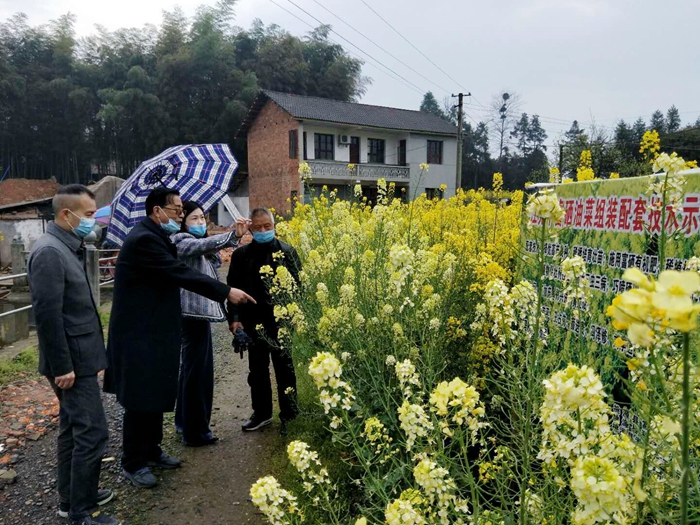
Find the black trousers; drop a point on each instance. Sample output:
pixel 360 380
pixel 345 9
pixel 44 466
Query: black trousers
pixel 82 440
pixel 259 380
pixel 143 434
pixel 195 395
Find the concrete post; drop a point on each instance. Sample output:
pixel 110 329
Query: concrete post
pixel 19 263
pixel 92 266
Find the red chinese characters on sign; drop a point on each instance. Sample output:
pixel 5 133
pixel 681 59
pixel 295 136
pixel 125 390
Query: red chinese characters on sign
pixel 611 214
pixel 654 219
pixel 578 214
pixel 629 214
pixel 588 213
pixel 672 222
pixel 625 210
pixel 639 214
pixel 599 215
pixel 568 213
pixel 691 213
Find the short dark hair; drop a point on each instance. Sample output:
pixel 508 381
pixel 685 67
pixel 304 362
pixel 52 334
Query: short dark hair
pixel 159 197
pixel 257 212
pixel 65 194
pixel 189 207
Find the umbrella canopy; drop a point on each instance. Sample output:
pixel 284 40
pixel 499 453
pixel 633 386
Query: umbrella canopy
pixel 104 211
pixel 201 172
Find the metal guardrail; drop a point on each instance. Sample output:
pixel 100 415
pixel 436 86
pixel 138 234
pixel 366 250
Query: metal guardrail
pixel 28 307
pixel 8 277
pixel 16 310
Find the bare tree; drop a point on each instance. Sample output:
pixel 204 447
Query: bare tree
pixel 505 111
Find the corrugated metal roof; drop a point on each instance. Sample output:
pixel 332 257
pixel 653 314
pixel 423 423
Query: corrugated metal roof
pixel 351 113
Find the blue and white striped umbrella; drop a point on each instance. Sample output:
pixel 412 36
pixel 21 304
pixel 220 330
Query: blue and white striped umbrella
pixel 201 172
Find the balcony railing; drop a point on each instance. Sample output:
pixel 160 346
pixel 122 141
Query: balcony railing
pixel 328 169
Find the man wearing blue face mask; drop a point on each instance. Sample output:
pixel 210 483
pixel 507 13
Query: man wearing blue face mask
pixel 244 273
pixel 72 352
pixel 144 332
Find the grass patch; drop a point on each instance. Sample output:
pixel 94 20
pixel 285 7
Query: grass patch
pixel 22 365
pixel 311 426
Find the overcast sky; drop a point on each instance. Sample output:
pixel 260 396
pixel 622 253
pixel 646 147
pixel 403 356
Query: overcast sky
pixel 583 59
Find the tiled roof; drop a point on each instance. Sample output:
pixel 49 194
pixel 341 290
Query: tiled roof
pixel 18 191
pixel 351 113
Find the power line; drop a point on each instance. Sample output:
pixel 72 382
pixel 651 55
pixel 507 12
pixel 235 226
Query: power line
pixel 349 51
pixel 414 47
pixel 356 47
pixel 380 47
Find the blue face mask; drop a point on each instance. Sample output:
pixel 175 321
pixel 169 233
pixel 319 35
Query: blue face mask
pixel 264 237
pixel 171 226
pixel 84 227
pixel 198 230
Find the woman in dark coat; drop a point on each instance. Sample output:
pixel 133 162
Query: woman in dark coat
pixel 144 332
pixel 196 386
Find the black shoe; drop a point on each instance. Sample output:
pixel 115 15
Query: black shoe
pixel 255 423
pixel 165 462
pixel 202 442
pixel 283 428
pixel 97 519
pixel 143 478
pixel 104 496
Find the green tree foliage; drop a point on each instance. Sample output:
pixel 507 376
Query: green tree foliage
pixel 430 105
pixel 658 122
pixel 638 129
pixel 477 164
pixel 673 120
pixel 77 109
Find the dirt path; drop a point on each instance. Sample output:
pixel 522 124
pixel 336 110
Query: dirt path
pixel 210 489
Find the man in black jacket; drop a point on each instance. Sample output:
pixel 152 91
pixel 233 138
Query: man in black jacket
pixel 72 352
pixel 244 273
pixel 144 332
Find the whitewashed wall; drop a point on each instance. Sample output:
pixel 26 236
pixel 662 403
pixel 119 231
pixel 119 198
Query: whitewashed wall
pixel 29 229
pixel 438 174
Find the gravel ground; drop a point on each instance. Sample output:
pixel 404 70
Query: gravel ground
pixel 211 488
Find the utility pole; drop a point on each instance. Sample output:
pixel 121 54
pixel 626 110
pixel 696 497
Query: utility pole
pixel 460 117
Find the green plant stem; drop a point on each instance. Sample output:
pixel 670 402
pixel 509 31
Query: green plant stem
pixel 663 237
pixel 685 430
pixel 661 381
pixel 532 363
pixel 645 465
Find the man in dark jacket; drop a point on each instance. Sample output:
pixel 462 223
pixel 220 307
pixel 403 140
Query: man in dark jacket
pixel 72 352
pixel 244 273
pixel 144 332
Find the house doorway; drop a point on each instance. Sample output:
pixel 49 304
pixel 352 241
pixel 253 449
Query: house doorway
pixel 354 150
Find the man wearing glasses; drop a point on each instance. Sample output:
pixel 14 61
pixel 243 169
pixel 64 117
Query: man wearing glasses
pixel 144 332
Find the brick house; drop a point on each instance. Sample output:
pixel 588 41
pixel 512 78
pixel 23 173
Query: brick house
pixel 281 130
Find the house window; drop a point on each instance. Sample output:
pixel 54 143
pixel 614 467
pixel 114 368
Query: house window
pixel 433 193
pixel 324 147
pixel 375 151
pixel 293 144
pixel 306 155
pixel 434 152
pixel 402 153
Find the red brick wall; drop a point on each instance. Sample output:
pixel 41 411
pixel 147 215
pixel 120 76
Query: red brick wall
pixel 272 174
